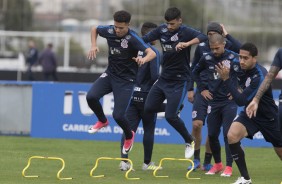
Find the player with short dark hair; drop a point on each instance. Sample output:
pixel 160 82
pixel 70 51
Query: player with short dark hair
pixel 273 71
pixel 221 108
pixel 176 40
pixel 266 120
pixel 200 100
pixel 120 75
pixel 146 76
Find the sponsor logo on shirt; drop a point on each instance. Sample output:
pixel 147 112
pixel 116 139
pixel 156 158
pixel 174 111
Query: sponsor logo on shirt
pixel 167 47
pixel 231 56
pixel 114 51
pixel 111 30
pixel 164 30
pixel 128 37
pixel 202 44
pixel 208 57
pixel 103 75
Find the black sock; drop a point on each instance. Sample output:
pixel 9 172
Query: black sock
pixel 197 154
pixel 147 161
pixel 239 157
pixel 208 158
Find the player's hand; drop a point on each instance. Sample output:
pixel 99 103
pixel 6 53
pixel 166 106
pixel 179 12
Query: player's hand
pixel 224 30
pixel 181 45
pixel 206 94
pixel 92 53
pixel 252 108
pixel 139 60
pixel 190 96
pixel 223 71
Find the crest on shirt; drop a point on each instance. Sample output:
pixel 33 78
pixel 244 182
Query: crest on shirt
pixel 174 37
pixel 236 68
pixel 231 56
pixel 226 63
pixel 194 114
pixel 127 37
pixel 208 57
pixel 111 30
pixel 248 81
pixel 164 30
pixel 124 43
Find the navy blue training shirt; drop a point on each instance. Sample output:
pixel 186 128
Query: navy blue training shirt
pixel 148 73
pixel 253 78
pixel 203 48
pixel 121 52
pixel 277 61
pixel 176 64
pixel 215 83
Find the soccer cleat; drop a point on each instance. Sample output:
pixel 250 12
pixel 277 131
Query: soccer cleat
pixel 189 150
pixel 197 164
pixel 242 180
pixel 215 169
pixel 206 167
pixel 98 125
pixel 124 166
pixel 128 144
pixel 151 166
pixel 227 172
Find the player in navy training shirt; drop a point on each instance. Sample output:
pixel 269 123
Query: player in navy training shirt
pixel 175 40
pixel 200 104
pixel 119 77
pixel 221 108
pixel 146 76
pixel 266 120
pixel 273 71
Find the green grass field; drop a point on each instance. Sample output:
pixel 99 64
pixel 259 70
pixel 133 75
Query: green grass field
pixel 80 156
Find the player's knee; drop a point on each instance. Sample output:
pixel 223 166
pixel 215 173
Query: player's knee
pixel 118 117
pixel 232 137
pixel 149 108
pixel 197 125
pixel 213 139
pixel 170 118
pixel 90 98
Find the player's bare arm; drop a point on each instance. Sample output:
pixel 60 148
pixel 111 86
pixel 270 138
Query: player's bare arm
pixel 150 55
pixel 182 45
pixel 94 49
pixel 273 71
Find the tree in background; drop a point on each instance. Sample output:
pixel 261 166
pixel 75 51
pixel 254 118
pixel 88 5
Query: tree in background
pixel 16 15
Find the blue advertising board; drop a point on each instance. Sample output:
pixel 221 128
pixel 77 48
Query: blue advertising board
pixel 60 110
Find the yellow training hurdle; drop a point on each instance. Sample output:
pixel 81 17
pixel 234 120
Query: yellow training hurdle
pixel 48 158
pixel 174 159
pixel 109 158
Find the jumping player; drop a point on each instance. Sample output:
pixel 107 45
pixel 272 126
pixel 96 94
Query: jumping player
pixel 120 75
pixel 176 40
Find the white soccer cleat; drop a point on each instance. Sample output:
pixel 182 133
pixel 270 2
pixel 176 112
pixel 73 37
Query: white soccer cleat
pixel 242 180
pixel 124 166
pixel 189 149
pixel 151 166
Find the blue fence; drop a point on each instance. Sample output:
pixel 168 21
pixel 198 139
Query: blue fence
pixel 60 110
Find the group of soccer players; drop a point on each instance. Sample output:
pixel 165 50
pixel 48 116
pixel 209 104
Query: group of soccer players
pixel 227 76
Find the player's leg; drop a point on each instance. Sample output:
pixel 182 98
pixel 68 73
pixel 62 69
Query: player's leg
pixel 175 93
pixel 214 121
pixel 122 91
pixel 99 88
pixel 280 111
pixel 237 131
pixel 229 112
pixel 149 123
pixel 155 98
pixel 198 116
